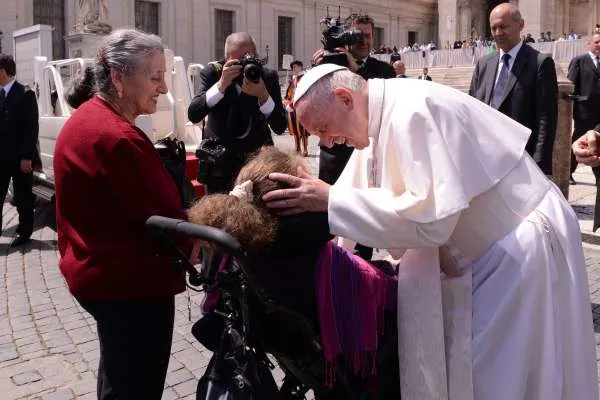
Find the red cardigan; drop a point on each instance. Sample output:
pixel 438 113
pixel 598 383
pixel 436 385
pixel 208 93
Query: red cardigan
pixel 109 180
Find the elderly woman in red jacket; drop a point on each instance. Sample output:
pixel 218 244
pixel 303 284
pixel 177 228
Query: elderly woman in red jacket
pixel 109 180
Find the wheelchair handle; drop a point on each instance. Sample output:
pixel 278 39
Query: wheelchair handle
pixel 223 240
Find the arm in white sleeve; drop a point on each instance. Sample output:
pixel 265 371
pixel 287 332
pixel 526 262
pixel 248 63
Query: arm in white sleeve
pixel 213 95
pixel 373 217
pixel 268 107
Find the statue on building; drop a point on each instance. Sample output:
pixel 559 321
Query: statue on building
pixel 92 16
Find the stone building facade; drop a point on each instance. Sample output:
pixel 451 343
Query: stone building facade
pixel 196 29
pixel 460 19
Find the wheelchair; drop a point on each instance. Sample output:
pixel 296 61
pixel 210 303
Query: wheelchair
pixel 247 328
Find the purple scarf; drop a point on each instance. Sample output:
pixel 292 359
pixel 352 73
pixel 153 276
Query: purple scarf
pixel 352 296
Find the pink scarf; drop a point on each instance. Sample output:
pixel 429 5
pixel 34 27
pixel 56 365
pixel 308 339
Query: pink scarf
pixel 352 296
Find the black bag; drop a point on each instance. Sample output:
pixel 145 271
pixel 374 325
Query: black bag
pixel 212 157
pixel 173 155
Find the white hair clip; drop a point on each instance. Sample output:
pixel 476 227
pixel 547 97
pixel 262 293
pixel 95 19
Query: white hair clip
pixel 243 191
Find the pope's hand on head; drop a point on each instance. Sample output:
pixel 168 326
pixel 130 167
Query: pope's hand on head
pixel 585 149
pixel 256 89
pixel 231 70
pixel 305 194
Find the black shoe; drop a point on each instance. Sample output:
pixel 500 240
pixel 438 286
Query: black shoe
pixel 19 241
pixel 572 181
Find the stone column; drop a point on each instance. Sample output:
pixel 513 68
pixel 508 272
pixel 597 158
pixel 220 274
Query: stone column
pixel 594 15
pixel 448 14
pixel 561 158
pixel 531 10
pixel 465 22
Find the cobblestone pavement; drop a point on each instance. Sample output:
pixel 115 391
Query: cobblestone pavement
pixel 48 345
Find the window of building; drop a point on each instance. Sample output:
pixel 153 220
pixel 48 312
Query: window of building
pixel 147 15
pixel 52 12
pixel 412 37
pixel 378 38
pixel 285 29
pixel 223 28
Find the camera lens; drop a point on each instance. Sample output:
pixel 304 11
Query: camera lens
pixel 252 72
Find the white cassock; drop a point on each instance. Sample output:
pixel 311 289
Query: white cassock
pixel 447 175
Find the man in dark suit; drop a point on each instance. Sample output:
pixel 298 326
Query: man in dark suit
pixel 239 111
pixel 425 74
pixel 519 82
pixel 333 160
pixel 584 72
pixel 18 135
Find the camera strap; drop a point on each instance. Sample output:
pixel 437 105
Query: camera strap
pixel 217 66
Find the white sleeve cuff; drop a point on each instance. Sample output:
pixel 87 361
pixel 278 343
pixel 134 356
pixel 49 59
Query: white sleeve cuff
pixel 213 96
pixel 268 107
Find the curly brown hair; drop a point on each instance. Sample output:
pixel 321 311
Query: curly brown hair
pixel 250 223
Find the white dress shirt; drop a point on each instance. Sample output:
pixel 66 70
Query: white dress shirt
pixel 511 61
pixel 8 86
pixel 213 96
pixel 594 59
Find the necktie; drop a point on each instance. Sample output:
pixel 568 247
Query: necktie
pixel 597 62
pixel 500 85
pixel 2 97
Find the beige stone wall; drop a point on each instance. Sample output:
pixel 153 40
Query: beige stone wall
pixel 187 26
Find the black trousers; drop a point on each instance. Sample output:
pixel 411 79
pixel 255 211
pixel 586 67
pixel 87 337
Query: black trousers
pixel 135 346
pixel 22 184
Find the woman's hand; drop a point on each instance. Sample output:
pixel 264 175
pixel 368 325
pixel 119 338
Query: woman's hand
pixel 306 193
pixel 585 149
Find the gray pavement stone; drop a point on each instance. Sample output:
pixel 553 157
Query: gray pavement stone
pixel 58 395
pixel 26 377
pixel 169 394
pixel 179 376
pixel 186 388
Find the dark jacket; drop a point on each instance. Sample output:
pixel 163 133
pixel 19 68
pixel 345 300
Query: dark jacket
pixel 236 120
pixel 18 126
pixel 586 78
pixel 333 160
pixel 531 97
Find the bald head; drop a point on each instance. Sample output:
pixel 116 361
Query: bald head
pixel 399 67
pixel 509 9
pixel 506 24
pixel 239 44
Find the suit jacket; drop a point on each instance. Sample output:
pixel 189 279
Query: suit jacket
pixel 428 78
pixel 531 97
pixel 586 78
pixel 236 119
pixel 19 126
pixel 333 160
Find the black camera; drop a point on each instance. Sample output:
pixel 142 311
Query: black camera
pixel 334 35
pixel 211 154
pixel 252 69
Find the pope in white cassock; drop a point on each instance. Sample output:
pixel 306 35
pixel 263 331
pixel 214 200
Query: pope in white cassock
pixel 443 180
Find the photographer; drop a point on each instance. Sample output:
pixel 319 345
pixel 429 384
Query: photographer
pixel 333 160
pixel 241 100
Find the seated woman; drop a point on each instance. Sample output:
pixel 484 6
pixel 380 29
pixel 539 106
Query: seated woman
pixel 299 267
